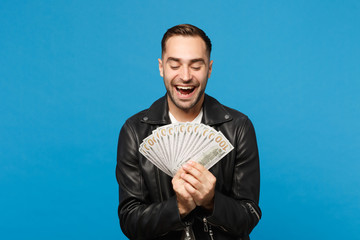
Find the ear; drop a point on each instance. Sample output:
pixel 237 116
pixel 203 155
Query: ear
pixel 161 69
pixel 210 68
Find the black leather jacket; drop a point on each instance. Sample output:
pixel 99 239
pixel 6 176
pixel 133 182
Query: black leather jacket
pixel 148 207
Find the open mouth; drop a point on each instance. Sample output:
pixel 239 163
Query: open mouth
pixel 185 90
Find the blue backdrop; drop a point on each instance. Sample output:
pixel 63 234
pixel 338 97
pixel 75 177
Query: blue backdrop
pixel 71 73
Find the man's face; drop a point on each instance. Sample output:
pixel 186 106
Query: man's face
pixel 185 67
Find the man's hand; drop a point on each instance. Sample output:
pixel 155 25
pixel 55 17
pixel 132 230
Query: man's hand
pixel 184 200
pixel 199 183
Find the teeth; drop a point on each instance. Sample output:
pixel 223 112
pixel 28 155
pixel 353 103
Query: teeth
pixel 184 88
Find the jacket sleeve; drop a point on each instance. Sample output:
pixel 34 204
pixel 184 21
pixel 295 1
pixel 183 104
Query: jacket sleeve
pixel 238 213
pixel 139 218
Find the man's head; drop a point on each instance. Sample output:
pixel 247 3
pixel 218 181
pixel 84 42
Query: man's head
pixel 185 67
pixel 186 30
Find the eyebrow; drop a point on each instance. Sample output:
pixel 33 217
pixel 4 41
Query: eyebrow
pixel 191 61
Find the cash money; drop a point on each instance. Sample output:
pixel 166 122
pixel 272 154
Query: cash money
pixel 171 146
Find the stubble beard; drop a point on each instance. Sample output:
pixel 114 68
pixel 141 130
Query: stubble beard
pixel 185 108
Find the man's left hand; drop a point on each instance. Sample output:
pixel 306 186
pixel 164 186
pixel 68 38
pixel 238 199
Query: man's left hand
pixel 200 184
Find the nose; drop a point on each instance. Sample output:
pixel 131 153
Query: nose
pixel 185 74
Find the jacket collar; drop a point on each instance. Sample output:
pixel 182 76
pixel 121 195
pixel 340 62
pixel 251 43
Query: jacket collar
pixel 213 112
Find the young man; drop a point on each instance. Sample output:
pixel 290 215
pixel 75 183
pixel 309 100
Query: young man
pixel 219 203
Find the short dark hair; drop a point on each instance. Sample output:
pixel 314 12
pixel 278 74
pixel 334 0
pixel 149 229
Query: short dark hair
pixel 185 30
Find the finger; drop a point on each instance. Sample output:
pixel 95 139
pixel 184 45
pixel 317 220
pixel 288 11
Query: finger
pixel 197 165
pixel 188 167
pixel 181 193
pixel 178 174
pixel 191 180
pixel 199 180
pixel 196 195
pixel 210 177
pixel 177 181
pixel 191 190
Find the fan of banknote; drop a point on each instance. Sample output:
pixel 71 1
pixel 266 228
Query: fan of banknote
pixel 171 146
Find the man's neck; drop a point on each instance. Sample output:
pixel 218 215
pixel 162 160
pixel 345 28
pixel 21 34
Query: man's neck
pixel 185 115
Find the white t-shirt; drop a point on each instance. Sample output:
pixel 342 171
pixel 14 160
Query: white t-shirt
pixel 196 120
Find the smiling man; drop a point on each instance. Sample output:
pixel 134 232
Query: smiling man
pixel 186 69
pixel 219 203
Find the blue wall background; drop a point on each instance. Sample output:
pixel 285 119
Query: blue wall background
pixel 71 73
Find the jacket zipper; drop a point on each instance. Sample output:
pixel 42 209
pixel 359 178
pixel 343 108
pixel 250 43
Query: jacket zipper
pixel 252 210
pixel 207 228
pixel 187 231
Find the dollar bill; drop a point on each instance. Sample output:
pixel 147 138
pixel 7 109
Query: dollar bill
pixel 171 146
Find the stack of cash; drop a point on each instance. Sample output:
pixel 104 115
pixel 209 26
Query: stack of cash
pixel 170 146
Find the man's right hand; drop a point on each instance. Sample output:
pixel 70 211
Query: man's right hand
pixel 184 200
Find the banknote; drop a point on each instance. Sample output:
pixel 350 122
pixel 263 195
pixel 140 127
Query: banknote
pixel 171 146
